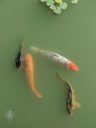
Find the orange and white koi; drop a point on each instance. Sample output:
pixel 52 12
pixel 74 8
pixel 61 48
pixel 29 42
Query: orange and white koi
pixel 57 59
pixel 29 70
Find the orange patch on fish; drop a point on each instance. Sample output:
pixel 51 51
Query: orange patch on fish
pixel 72 66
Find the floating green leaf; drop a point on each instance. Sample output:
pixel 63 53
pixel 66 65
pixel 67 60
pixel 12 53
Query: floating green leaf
pixel 49 2
pixel 52 7
pixel 63 5
pixel 74 1
pixel 43 0
pixel 57 10
pixel 58 1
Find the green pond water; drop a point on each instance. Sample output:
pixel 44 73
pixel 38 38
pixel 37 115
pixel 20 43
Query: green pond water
pixel 72 34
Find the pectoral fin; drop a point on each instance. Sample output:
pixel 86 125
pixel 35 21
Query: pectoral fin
pixel 77 105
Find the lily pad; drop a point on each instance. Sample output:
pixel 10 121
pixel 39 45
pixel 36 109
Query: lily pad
pixel 52 7
pixel 57 10
pixel 63 5
pixel 74 1
pixel 43 0
pixel 58 1
pixel 49 2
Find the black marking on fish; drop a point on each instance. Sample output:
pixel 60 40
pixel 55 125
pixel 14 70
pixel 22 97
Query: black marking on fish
pixel 54 54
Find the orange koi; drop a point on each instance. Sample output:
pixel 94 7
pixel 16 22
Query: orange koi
pixel 29 70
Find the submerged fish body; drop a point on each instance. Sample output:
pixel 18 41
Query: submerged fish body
pixel 29 71
pixel 18 58
pixel 57 59
pixel 71 102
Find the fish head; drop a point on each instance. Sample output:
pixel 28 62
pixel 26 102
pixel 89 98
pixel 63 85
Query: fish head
pixel 72 66
pixel 17 60
pixel 18 63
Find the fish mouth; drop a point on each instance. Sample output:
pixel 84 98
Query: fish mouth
pixel 72 66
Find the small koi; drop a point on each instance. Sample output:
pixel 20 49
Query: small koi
pixel 29 70
pixel 18 58
pixel 57 59
pixel 71 101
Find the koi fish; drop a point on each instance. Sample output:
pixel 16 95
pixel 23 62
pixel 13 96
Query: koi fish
pixel 18 58
pixel 29 70
pixel 71 102
pixel 57 59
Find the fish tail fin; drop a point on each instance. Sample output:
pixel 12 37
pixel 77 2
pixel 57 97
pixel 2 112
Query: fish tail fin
pixel 61 78
pixel 38 50
pixel 77 105
pixel 35 91
pixel 34 48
